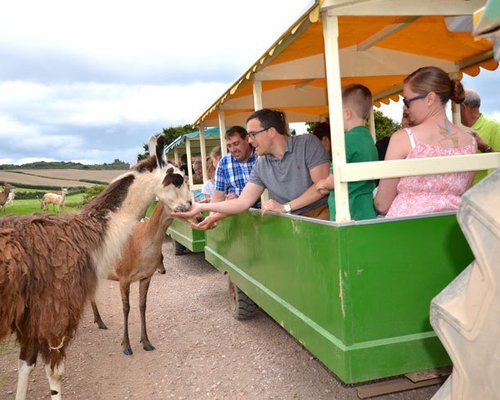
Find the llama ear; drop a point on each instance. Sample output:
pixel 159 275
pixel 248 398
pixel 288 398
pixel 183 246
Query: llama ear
pixel 152 145
pixel 156 145
pixel 160 154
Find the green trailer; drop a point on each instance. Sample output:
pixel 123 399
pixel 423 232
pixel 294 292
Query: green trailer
pixel 357 294
pixel 185 237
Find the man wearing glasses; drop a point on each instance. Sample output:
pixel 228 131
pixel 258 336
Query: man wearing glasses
pixel 288 166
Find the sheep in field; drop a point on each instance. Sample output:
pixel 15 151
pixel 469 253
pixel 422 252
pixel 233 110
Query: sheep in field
pixel 140 258
pixel 56 199
pixel 49 264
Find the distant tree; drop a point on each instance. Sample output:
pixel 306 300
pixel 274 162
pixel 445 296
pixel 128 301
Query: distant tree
pixel 384 126
pixel 170 134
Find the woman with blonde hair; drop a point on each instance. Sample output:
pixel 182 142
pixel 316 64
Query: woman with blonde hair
pixel 426 92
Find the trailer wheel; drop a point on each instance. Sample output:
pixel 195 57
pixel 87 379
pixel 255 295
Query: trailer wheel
pixel 242 307
pixel 179 249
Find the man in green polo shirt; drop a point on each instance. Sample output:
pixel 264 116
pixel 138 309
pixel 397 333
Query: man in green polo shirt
pixel 487 129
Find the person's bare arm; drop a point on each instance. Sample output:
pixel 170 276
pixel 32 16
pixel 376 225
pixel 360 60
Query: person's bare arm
pixel 398 149
pixel 325 185
pixel 251 193
pixel 309 196
pixel 218 196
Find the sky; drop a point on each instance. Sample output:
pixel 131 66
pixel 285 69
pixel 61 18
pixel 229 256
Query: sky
pixel 90 81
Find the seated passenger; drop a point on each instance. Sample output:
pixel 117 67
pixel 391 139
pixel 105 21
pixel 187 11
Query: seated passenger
pixel 426 92
pixel 235 167
pixel 288 166
pixel 197 173
pixel 322 132
pixel 359 147
pixel 208 188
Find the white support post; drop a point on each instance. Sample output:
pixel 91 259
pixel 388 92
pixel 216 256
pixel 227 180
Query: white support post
pixel 222 134
pixel 257 95
pixel 330 35
pixel 257 105
pixel 203 151
pixel 189 162
pixel 371 125
pixel 176 156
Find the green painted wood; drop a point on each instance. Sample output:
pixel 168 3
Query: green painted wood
pixel 357 296
pixel 192 239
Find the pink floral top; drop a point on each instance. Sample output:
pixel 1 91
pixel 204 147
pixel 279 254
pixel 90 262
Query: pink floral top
pixel 431 193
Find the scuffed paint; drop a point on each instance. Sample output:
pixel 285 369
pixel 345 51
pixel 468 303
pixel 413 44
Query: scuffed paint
pixel 341 294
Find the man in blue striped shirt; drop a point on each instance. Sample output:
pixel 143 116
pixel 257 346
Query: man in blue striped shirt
pixel 234 169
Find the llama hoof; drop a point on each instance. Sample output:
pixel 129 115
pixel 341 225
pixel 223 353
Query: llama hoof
pixel 127 350
pixel 102 326
pixel 148 347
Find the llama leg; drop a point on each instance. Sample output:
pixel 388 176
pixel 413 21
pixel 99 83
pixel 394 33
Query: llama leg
pixel 97 316
pixel 125 292
pixel 143 295
pixel 55 377
pixel 27 362
pixel 161 267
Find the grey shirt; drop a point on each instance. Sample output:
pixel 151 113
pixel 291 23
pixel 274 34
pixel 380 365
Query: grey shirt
pixel 288 178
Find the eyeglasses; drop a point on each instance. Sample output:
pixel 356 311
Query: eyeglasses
pixel 253 134
pixel 407 102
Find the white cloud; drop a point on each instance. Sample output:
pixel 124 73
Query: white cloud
pixel 93 80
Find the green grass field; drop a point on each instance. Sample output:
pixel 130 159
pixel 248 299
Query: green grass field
pixel 73 203
pixel 23 207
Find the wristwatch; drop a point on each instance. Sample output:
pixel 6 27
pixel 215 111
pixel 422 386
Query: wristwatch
pixel 488 149
pixel 288 208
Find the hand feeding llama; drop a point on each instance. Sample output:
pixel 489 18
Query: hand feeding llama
pixel 49 264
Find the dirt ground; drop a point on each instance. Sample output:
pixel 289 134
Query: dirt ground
pixel 202 352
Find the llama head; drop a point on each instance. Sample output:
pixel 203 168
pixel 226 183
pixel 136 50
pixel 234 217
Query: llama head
pixel 172 189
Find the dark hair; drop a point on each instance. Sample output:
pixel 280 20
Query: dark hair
pixel 321 130
pixel 271 119
pixel 236 130
pixel 434 79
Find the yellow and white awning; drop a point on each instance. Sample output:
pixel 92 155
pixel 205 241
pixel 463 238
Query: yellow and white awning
pixel 380 42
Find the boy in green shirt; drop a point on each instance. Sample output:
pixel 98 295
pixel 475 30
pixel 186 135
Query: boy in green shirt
pixel 359 147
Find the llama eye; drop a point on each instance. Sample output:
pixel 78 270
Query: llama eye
pixel 177 180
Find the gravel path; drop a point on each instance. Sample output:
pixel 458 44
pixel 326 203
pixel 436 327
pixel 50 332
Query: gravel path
pixel 202 352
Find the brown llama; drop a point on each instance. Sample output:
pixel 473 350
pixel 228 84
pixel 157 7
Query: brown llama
pixel 49 264
pixel 4 195
pixel 141 257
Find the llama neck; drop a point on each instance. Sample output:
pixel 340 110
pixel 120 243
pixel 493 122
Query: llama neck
pixel 4 195
pixel 159 222
pixel 120 219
